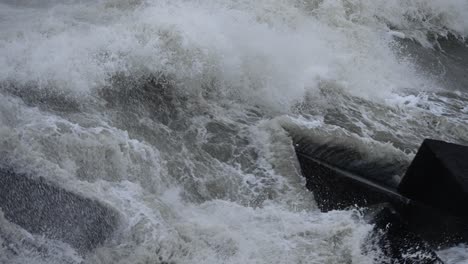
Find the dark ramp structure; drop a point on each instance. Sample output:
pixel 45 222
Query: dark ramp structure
pixel 42 208
pixel 338 189
pixel 428 209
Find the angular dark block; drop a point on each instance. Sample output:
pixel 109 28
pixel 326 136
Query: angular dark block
pixel 42 208
pixel 438 177
pixel 336 189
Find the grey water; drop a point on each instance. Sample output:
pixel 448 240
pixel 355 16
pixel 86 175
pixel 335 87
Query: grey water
pixel 178 116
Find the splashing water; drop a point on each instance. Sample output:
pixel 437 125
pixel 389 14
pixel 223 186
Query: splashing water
pixel 174 113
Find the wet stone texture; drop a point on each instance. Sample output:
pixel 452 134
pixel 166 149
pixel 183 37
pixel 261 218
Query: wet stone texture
pixel 397 219
pixel 42 208
pixel 395 239
pixel 437 180
pixel 438 176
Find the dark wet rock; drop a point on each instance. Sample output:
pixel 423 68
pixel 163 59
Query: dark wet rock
pixel 427 210
pixel 43 208
pixel 437 182
pixel 349 158
pixel 436 227
pixel 396 241
pixel 336 189
pixel 438 176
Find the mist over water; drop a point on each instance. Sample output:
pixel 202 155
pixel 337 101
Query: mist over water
pixel 178 115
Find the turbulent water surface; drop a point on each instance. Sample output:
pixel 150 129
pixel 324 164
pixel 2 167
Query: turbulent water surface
pixel 177 115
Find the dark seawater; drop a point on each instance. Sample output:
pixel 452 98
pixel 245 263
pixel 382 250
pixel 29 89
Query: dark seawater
pixel 178 115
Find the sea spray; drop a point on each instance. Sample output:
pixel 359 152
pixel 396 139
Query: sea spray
pixel 172 113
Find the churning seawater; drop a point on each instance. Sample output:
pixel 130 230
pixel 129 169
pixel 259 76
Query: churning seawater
pixel 177 114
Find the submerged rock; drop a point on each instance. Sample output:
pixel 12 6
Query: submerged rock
pixel 426 211
pixel 42 208
pixel 395 239
pixel 337 189
pixel 437 182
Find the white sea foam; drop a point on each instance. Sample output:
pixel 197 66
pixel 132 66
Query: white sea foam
pixel 256 49
pixel 218 182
